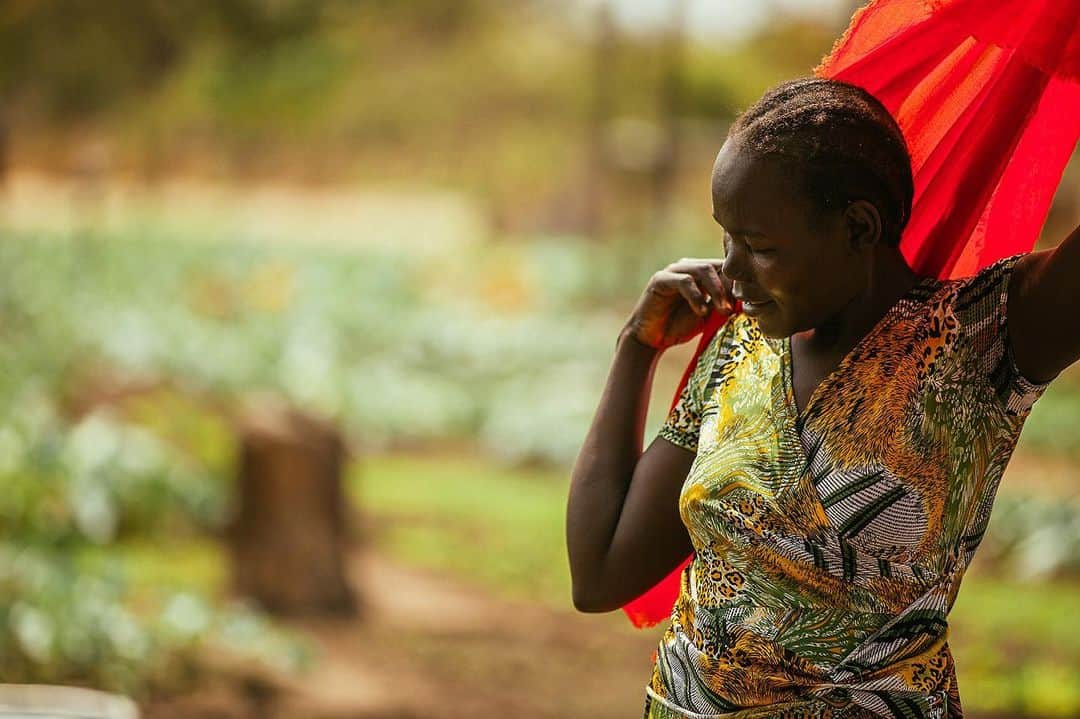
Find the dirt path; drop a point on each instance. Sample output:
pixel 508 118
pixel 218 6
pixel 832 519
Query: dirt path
pixel 430 646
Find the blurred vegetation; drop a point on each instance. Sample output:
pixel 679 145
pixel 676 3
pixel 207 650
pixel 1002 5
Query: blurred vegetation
pixel 351 336
pixel 75 484
pixel 498 99
pixel 354 336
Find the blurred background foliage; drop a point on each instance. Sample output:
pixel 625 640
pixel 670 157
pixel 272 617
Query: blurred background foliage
pixel 500 99
pixel 426 221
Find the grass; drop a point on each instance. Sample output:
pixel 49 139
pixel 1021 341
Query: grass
pixel 1051 426
pixel 1017 646
pixel 151 567
pixel 501 528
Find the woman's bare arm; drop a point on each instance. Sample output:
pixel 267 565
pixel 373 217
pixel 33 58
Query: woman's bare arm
pixel 623 529
pixel 1043 316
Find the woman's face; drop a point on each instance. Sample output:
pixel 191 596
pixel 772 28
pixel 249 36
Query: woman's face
pixel 801 275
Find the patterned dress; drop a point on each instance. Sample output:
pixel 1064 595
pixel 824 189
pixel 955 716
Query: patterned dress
pixel 830 543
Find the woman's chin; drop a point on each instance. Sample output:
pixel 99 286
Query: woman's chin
pixel 768 320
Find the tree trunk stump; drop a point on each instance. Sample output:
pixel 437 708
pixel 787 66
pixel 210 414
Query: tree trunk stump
pixel 287 537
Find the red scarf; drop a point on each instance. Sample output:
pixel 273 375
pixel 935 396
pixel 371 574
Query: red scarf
pixel 988 97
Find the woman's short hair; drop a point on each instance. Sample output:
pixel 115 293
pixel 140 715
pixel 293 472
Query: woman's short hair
pixel 841 140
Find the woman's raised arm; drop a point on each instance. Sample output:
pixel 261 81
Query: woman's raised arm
pixel 623 530
pixel 1043 313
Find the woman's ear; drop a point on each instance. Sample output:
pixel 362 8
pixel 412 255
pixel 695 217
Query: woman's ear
pixel 863 224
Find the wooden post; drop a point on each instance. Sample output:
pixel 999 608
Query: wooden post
pixel 287 537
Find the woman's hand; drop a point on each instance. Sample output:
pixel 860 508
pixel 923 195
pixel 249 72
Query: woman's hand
pixel 675 303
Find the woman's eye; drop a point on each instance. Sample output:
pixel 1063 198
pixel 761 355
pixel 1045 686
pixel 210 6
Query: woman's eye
pixel 754 250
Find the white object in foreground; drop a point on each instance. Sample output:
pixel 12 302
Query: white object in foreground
pixel 46 701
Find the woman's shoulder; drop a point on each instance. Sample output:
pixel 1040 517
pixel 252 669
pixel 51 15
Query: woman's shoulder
pixel 989 281
pixel 979 302
pixel 975 301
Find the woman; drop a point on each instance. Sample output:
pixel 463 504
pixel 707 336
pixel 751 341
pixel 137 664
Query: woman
pixel 832 460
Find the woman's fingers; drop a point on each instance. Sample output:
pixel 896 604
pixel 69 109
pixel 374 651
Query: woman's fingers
pixel 686 285
pixel 707 274
pixel 725 299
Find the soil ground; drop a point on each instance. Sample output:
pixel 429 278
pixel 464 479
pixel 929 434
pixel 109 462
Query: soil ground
pixel 428 645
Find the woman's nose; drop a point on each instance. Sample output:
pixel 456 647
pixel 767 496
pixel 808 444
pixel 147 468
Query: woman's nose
pixel 734 267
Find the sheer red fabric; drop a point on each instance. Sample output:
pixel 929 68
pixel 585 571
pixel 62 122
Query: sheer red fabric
pixel 988 98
